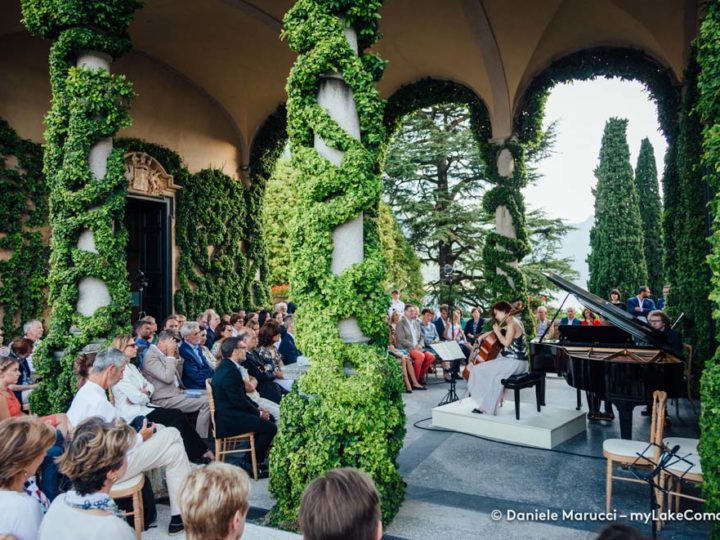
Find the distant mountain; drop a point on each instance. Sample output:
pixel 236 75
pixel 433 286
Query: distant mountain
pixel 577 245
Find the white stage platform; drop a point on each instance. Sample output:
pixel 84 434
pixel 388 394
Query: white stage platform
pixel 545 429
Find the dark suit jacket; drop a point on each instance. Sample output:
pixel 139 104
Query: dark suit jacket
pixel 564 321
pixel 266 387
pixel 440 326
pixel 475 329
pixel 288 350
pixel 195 369
pixel 232 405
pixel 210 338
pixel 647 306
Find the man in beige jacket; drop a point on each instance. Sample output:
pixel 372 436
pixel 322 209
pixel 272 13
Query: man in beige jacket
pixel 162 367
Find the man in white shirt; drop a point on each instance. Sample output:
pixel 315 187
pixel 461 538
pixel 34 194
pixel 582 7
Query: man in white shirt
pixel 151 450
pixel 396 305
pixel 33 330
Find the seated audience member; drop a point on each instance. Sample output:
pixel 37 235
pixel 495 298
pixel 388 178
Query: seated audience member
pixel 143 338
pixel 454 332
pixel 209 358
pixel 393 319
pixel 10 408
pixel 396 305
pixel 429 330
pixel 442 322
pixel 214 502
pixel 343 503
pixel 660 321
pixel 263 373
pixel 474 327
pixel 409 337
pixel 4 350
pixel 152 448
pixel 589 318
pixel 406 365
pixel 195 368
pixel 223 331
pixel 210 319
pixel 570 319
pixel 95 459
pixel 172 324
pixel 542 321
pixel 268 338
pixel 235 412
pixel 662 302
pixel 252 322
pixel 288 350
pixel 182 319
pixel 34 331
pixel 278 317
pixel 291 307
pixel 25 441
pixel 153 325
pixel 163 369
pixel 616 300
pixel 281 307
pixel 251 383
pixel 133 394
pixel 238 323
pixel 641 305
pixel 263 316
pixel 20 350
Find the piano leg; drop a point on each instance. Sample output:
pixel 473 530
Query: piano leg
pixel 625 411
pixel 578 400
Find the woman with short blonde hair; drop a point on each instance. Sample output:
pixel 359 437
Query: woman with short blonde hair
pixel 94 460
pixel 214 502
pixel 25 441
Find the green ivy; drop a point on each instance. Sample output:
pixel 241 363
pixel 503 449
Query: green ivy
pixel 332 419
pixel 708 107
pixel 23 209
pixel 87 106
pixel 267 147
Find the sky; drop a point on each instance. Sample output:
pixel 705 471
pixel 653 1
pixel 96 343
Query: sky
pixel 582 108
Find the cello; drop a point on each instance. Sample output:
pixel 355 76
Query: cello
pixel 487 349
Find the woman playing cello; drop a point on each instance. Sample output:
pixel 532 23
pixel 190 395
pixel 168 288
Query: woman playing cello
pixel 484 383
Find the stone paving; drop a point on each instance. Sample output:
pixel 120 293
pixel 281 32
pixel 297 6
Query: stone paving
pixel 456 481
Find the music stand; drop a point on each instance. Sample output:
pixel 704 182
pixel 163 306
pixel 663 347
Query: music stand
pixel 449 351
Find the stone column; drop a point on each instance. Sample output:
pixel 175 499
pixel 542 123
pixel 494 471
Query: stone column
pixel 92 292
pixel 504 225
pixel 337 99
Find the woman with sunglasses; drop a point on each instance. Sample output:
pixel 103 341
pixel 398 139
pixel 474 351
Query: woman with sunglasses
pixel 133 396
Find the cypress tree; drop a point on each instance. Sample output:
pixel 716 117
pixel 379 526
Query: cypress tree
pixel 617 258
pixel 646 183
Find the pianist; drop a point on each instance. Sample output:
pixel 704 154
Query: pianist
pixel 661 322
pixel 485 384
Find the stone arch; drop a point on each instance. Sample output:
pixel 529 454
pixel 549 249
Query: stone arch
pixel 618 62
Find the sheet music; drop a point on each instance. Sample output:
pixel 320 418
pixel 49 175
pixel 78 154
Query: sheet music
pixel 448 350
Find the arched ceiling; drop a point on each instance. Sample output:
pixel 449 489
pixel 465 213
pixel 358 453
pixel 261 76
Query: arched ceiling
pixel 231 49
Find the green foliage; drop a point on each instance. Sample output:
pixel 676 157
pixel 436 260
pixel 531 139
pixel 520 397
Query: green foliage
pixel 616 258
pixel 278 215
pixel 23 209
pixel 648 190
pixel 708 57
pixel 267 147
pixel 691 282
pixel 87 106
pixel 332 418
pixel 210 230
pixel 403 265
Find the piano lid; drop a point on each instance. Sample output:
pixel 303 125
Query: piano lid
pixel 643 333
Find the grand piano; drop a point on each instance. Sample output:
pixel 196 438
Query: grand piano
pixel 623 363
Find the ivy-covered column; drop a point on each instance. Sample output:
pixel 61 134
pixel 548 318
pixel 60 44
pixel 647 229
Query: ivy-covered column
pixel 508 244
pixel 88 285
pixel 708 106
pixel 347 410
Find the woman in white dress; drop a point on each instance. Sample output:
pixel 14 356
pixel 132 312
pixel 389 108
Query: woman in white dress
pixel 485 384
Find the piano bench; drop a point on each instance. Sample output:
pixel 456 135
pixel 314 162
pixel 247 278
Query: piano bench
pixel 526 380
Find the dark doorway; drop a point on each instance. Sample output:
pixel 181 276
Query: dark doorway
pixel 148 256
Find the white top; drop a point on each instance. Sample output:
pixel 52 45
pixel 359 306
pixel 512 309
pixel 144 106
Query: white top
pixel 91 400
pixel 130 401
pixel 62 522
pixel 396 305
pixel 20 516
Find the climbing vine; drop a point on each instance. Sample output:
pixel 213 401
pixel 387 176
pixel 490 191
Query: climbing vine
pixel 267 147
pixel 87 106
pixel 23 211
pixel 708 108
pixel 331 418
